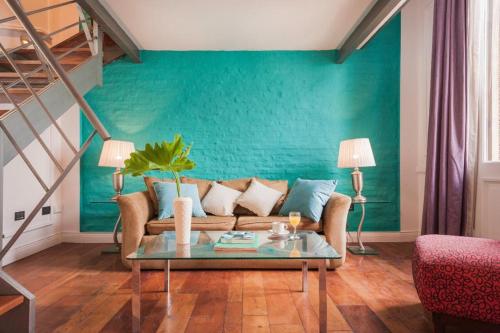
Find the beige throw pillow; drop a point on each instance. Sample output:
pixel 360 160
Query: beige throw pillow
pixel 220 200
pixel 242 184
pixel 259 198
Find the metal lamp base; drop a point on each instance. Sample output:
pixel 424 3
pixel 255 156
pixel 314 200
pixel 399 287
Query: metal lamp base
pixel 113 249
pixel 118 181
pixel 366 250
pixel 358 198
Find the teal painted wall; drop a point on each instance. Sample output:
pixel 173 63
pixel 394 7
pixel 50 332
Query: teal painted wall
pixel 277 115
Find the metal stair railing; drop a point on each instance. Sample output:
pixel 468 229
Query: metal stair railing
pixel 38 42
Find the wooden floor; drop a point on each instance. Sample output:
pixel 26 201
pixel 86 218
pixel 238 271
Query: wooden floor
pixel 79 290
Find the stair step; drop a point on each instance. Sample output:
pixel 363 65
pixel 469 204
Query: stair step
pixel 34 81
pixel 63 61
pixel 21 90
pixel 66 49
pixel 13 75
pixel 18 97
pixel 27 67
pixel 31 54
pixel 9 302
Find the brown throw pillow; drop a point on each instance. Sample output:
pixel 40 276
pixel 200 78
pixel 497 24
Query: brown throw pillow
pixel 242 184
pixel 151 190
pixel 203 185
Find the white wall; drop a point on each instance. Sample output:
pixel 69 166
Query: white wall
pixel 238 24
pixel 416 47
pixel 22 191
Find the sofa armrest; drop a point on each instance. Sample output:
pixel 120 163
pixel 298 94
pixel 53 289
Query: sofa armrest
pixel 136 210
pixel 334 224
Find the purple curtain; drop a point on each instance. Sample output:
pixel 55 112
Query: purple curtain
pixel 445 202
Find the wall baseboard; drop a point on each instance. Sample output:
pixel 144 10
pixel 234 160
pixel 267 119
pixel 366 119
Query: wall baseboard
pixel 88 237
pixel 28 249
pixel 391 236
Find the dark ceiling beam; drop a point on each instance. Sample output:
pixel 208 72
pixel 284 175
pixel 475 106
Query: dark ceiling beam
pixel 381 12
pixel 99 13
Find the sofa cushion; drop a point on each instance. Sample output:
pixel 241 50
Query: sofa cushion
pixel 203 185
pixel 167 193
pixel 220 200
pixel 309 197
pixel 211 222
pixel 242 185
pixel 264 223
pixel 259 198
pixel 149 181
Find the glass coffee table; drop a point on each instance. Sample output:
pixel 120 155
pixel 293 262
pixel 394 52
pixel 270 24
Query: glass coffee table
pixel 310 247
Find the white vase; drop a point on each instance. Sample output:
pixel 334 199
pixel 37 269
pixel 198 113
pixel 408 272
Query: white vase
pixel 183 210
pixel 183 250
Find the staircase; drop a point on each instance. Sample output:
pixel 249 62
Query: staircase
pixel 28 73
pixel 70 53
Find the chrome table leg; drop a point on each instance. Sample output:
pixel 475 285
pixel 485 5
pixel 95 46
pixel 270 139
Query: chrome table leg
pixel 166 276
pixel 305 269
pixel 322 296
pixel 136 296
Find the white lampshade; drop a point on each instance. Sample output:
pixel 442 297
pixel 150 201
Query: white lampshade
pixel 355 153
pixel 114 153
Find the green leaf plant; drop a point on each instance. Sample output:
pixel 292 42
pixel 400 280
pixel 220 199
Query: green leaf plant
pixel 161 156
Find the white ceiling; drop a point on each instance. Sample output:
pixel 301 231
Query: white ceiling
pixel 238 24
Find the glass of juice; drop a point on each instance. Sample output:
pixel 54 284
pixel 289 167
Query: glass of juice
pixel 294 219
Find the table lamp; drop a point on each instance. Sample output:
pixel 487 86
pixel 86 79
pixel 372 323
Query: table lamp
pixel 356 153
pixel 113 154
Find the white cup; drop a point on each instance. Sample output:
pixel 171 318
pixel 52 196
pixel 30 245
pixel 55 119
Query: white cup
pixel 279 227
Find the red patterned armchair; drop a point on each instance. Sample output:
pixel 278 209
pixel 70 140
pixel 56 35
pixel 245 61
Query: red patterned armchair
pixel 458 280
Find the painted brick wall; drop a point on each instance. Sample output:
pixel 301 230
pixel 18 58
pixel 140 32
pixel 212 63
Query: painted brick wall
pixel 277 115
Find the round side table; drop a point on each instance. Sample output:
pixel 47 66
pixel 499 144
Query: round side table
pixel 360 249
pixel 116 247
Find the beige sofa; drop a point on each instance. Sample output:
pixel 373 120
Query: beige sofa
pixel 140 225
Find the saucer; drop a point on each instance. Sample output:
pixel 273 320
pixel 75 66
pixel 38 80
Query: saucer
pixel 278 235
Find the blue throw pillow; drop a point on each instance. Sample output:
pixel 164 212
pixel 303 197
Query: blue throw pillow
pixel 309 197
pixel 167 192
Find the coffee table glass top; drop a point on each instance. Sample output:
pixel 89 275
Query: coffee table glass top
pixel 309 246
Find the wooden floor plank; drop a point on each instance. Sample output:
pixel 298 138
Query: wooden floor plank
pixel 77 289
pixel 178 314
pixel 362 319
pixel 287 328
pixel 255 324
pixel 209 311
pixel 279 302
pixel 233 317
pixel 254 300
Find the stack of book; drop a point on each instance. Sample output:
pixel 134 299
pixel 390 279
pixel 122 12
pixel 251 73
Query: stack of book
pixel 237 241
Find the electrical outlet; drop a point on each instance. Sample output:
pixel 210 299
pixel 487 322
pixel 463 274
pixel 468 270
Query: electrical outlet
pixel 19 215
pixel 46 210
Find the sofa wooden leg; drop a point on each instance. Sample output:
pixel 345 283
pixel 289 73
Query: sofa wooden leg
pixel 439 323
